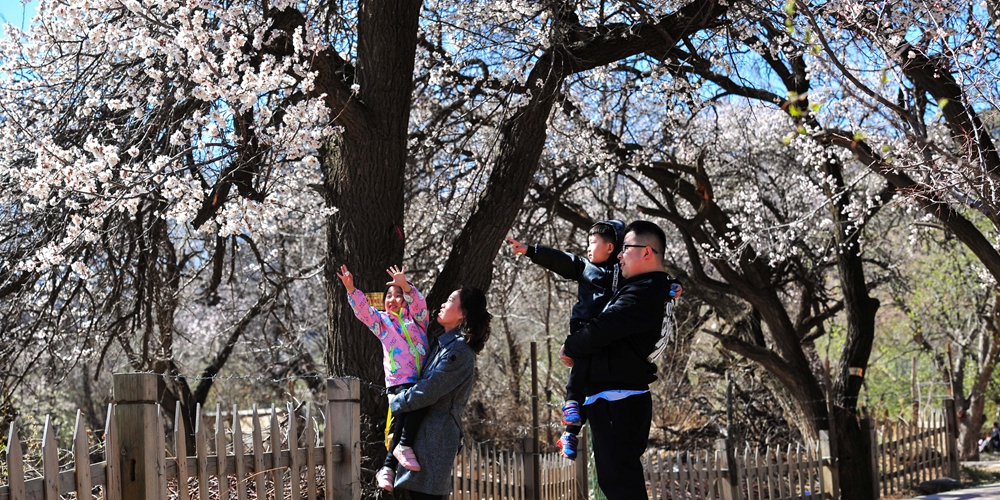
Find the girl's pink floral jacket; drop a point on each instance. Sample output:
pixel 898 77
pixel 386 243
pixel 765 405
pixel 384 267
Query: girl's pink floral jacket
pixel 401 358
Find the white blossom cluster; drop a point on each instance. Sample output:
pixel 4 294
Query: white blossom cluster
pixel 113 103
pixel 880 101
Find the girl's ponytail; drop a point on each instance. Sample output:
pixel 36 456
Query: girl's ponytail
pixel 477 319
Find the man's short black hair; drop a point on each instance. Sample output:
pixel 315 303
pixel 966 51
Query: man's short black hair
pixel 649 233
pixel 605 231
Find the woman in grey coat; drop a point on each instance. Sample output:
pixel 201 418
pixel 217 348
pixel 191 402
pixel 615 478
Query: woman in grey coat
pixel 444 388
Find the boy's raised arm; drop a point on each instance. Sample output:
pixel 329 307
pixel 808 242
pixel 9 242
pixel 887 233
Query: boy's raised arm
pixel 564 264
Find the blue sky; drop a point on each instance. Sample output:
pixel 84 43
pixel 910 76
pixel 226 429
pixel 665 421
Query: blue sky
pixel 12 11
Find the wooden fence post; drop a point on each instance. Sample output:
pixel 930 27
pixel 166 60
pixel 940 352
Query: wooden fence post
pixel 728 487
pixel 135 413
pixel 952 439
pixel 831 473
pixel 536 465
pixel 532 470
pixel 343 420
pixel 868 428
pixel 582 459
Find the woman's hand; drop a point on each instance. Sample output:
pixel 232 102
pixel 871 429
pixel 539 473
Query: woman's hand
pixel 517 247
pixel 398 275
pixel 346 278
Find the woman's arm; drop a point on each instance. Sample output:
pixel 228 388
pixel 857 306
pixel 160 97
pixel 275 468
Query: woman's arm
pixel 456 367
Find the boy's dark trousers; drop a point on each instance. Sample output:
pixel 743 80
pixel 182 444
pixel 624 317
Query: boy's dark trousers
pixel 404 427
pixel 619 431
pixel 575 390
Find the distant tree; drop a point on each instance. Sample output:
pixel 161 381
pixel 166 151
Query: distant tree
pixel 952 317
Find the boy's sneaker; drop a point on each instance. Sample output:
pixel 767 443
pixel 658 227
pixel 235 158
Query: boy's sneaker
pixel 567 445
pixel 571 413
pixel 385 477
pixel 407 458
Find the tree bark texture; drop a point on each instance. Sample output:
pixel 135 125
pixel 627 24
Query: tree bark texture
pixel 363 178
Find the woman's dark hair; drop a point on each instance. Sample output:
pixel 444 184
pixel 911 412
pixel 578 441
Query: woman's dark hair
pixel 477 319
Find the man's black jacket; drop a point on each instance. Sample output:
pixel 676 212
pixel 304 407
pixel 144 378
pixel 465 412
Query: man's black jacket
pixel 620 340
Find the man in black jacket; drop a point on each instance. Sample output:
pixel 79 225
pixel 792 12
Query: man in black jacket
pixel 622 343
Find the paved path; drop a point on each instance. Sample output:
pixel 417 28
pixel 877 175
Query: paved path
pixel 980 493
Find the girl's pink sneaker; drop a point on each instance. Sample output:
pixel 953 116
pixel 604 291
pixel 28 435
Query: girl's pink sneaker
pixel 406 457
pixel 385 477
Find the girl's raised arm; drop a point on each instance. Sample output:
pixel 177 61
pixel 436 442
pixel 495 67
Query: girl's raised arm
pixel 359 304
pixel 346 278
pixel 418 306
pixel 414 299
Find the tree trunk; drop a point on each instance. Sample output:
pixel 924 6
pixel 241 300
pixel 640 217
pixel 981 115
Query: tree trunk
pixel 522 140
pixel 854 455
pixel 363 178
pixel 969 428
pixel 361 235
pixel 853 445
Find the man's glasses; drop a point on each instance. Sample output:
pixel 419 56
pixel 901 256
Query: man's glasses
pixel 626 247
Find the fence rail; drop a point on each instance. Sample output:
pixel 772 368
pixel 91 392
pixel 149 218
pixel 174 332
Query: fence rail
pixel 482 471
pixel 558 476
pixel 779 475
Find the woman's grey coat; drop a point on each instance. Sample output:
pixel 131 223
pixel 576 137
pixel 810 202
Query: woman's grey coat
pixel 444 386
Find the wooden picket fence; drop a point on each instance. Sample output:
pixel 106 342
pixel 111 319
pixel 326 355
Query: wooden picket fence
pixel 772 474
pixel 911 452
pixel 484 472
pixel 904 455
pixel 136 464
pixel 314 452
pixel 558 477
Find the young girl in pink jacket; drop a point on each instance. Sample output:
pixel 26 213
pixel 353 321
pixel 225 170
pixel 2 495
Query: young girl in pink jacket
pixel 402 330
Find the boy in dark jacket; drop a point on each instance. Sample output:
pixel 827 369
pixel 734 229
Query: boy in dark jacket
pixel 597 277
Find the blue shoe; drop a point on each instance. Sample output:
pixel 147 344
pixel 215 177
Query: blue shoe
pixel 567 445
pixel 571 413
